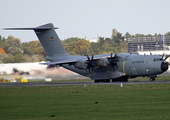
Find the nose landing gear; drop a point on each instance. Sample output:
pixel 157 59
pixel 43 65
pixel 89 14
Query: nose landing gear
pixel 152 78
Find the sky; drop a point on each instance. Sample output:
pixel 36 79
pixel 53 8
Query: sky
pixel 80 18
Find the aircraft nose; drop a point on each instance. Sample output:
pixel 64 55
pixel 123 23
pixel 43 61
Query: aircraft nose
pixel 164 66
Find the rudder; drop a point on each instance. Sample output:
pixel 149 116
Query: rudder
pixel 50 40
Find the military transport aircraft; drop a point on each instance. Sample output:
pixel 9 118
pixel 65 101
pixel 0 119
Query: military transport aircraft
pixel 100 68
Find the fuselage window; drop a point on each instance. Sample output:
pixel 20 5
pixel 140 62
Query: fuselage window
pixel 158 59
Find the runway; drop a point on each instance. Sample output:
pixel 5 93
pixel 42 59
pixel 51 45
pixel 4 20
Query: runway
pixel 78 83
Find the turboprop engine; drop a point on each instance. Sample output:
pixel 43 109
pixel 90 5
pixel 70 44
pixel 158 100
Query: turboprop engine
pixel 80 64
pixel 102 62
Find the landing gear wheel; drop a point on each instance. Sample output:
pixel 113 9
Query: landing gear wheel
pixel 122 79
pixel 96 81
pixel 107 80
pixel 152 78
pixel 125 79
pixel 104 80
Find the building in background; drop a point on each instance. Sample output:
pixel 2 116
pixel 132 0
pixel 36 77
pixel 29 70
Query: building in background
pixel 149 43
pixel 95 39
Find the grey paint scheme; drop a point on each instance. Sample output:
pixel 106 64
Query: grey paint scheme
pixel 129 65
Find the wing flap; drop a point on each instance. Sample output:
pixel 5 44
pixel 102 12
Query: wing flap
pixel 59 62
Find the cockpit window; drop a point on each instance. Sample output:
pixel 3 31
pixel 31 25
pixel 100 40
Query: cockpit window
pixel 158 59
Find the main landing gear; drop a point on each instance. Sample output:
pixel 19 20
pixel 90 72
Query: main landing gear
pixel 104 80
pixel 152 78
pixel 123 79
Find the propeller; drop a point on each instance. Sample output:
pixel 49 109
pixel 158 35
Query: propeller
pixel 166 57
pixel 163 56
pixel 90 64
pixel 113 62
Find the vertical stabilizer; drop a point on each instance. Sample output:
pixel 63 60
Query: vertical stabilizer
pixel 50 40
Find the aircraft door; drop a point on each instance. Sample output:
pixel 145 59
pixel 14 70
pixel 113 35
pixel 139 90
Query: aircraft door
pixel 134 71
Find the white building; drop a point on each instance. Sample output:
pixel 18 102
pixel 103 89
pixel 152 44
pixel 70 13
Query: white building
pixel 95 39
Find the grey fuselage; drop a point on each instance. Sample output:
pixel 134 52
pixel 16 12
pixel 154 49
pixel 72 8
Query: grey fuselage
pixel 129 65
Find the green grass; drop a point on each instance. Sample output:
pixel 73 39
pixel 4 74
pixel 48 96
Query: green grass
pixel 88 80
pixel 159 78
pixel 132 102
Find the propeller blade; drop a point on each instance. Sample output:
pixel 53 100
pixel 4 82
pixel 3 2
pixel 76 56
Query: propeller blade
pixel 89 70
pixel 85 68
pixel 117 65
pixel 90 64
pixel 88 58
pixel 113 68
pixel 115 55
pixel 163 55
pixel 166 57
pixel 113 62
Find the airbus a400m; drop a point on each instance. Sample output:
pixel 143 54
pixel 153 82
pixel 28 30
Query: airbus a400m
pixel 100 68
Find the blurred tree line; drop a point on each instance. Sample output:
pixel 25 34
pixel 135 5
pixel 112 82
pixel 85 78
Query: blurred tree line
pixel 33 51
pixel 78 46
pixel 17 52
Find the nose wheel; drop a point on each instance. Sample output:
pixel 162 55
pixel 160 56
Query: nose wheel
pixel 152 78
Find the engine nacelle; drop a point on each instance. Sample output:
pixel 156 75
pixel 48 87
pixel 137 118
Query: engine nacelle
pixel 102 62
pixel 80 65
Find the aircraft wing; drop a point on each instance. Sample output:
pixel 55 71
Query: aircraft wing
pixel 59 62
pixel 67 61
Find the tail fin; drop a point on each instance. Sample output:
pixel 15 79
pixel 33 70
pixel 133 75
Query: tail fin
pixel 48 38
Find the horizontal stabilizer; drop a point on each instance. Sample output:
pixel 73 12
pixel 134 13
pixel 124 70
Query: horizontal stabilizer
pixel 36 28
pixel 59 62
pixel 48 26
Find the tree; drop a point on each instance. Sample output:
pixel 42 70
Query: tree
pixel 18 58
pixel 82 46
pixel 149 35
pixel 139 35
pixel 14 50
pixel 70 46
pixel 94 49
pixel 117 39
pixel 101 41
pixel 2 51
pixel 114 33
pixel 156 34
pixel 69 40
pixel 168 33
pixel 25 44
pixel 127 34
pixel 117 36
pixel 27 51
pixel 37 48
pixel 8 58
pixel 15 42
